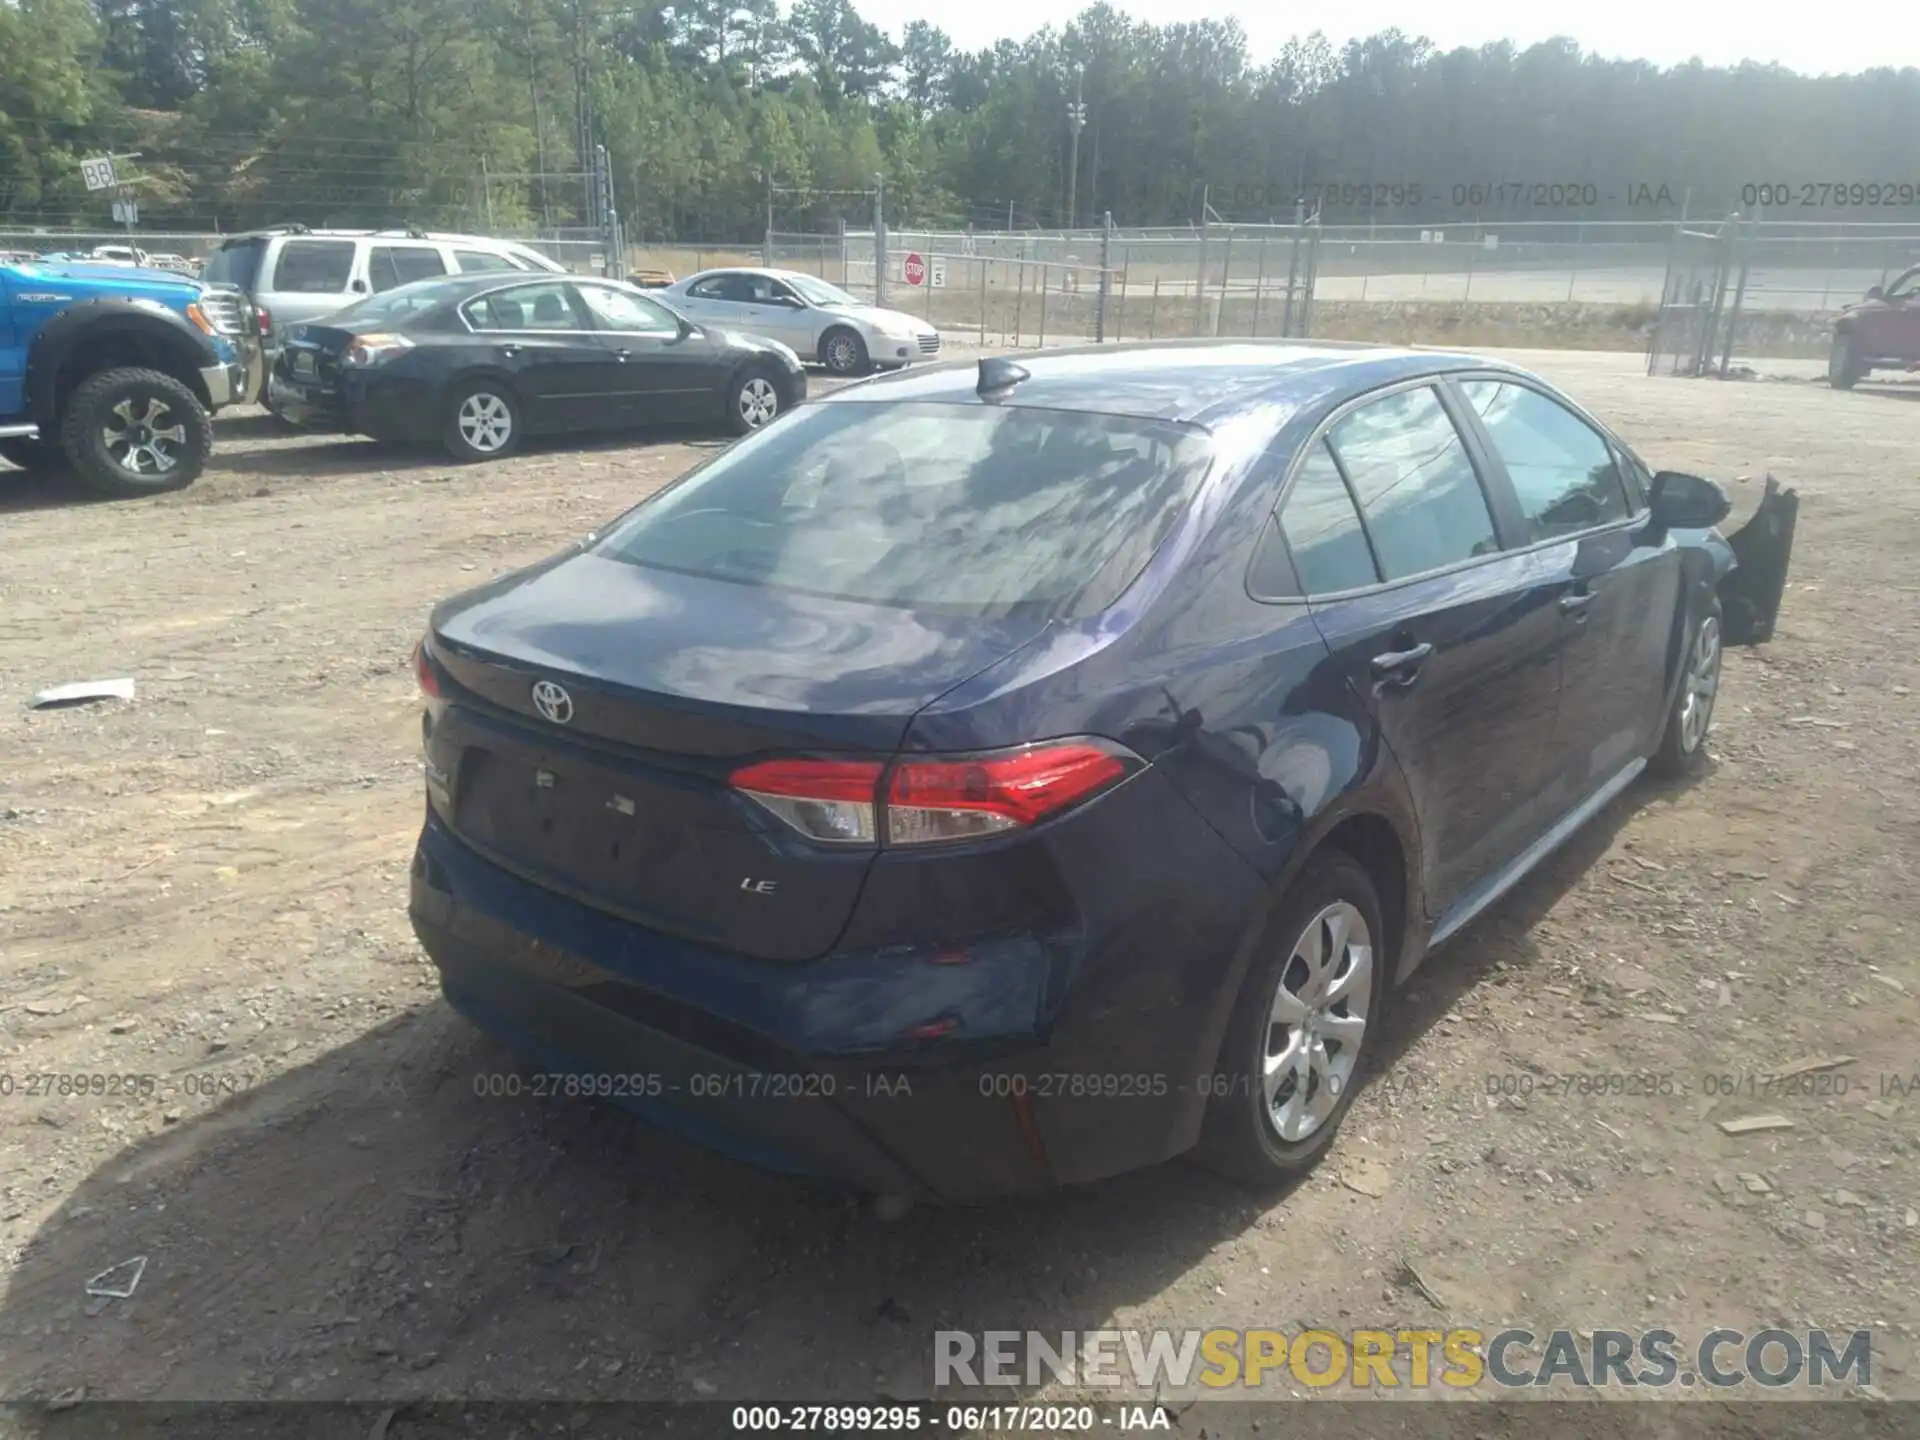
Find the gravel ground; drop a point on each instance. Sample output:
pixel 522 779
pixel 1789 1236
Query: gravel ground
pixel 206 885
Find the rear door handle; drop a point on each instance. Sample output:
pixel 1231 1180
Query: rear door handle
pixel 1576 604
pixel 509 350
pixel 623 355
pixel 1401 666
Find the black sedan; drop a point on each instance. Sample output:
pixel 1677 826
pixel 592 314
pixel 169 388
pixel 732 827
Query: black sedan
pixel 479 362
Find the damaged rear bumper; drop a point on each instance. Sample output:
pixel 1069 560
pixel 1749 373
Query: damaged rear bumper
pixel 1750 591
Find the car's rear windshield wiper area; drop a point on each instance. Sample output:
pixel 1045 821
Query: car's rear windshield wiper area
pixel 964 509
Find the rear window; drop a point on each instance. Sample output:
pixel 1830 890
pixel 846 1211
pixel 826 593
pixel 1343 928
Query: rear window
pixel 312 267
pixel 236 264
pixel 968 509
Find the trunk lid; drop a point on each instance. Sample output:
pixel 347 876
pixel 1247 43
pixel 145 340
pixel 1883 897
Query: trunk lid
pixel 617 791
pixel 311 353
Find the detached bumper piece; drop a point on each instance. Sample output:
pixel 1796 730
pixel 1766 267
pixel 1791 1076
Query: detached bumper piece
pixel 1751 592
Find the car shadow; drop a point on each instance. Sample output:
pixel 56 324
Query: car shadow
pixel 1889 389
pixel 385 1224
pixel 22 491
pixel 317 456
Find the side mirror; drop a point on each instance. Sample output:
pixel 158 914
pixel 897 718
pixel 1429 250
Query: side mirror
pixel 687 328
pixel 1685 502
pixel 1874 292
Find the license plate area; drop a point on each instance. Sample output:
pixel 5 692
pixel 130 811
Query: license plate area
pixel 567 819
pixel 303 365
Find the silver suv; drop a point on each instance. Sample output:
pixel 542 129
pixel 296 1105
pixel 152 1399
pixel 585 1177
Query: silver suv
pixel 292 274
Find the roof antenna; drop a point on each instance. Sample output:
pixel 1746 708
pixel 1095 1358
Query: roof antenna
pixel 998 375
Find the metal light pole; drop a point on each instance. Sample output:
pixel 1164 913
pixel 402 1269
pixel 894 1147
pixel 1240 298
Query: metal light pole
pixel 1076 117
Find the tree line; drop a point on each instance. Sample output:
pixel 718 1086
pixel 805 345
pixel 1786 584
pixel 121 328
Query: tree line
pixel 483 114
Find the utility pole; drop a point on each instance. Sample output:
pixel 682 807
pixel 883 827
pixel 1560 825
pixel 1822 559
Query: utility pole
pixel 766 250
pixel 880 240
pixel 1076 117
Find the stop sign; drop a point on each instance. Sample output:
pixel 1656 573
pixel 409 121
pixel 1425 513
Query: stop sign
pixel 916 269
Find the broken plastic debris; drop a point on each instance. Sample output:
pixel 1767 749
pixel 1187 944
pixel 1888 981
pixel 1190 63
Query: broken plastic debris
pixel 82 691
pixel 1750 1124
pixel 118 1282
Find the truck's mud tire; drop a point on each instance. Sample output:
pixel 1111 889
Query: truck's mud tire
pixel 136 432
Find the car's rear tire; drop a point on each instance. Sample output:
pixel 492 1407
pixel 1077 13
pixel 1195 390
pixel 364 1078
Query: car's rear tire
pixel 1843 362
pixel 1683 744
pixel 754 400
pixel 36 457
pixel 483 422
pixel 843 352
pixel 135 432
pixel 1289 1067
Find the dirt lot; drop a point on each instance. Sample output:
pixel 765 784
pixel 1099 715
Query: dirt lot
pixel 207 885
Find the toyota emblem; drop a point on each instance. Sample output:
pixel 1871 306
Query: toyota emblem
pixel 553 702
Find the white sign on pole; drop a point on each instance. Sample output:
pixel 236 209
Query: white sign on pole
pixel 126 212
pixel 937 274
pixel 1490 242
pixel 98 172
pixel 1426 237
pixel 1439 237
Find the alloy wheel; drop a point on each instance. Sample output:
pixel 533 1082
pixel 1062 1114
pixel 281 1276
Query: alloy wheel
pixel 842 353
pixel 144 444
pixel 485 422
pixel 1702 683
pixel 1317 1020
pixel 759 401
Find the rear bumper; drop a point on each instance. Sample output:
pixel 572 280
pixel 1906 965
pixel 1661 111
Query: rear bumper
pixel 784 1066
pixel 392 411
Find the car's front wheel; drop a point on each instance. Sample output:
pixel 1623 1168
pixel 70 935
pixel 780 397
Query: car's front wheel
pixel 1302 1029
pixel 1843 362
pixel 1684 742
pixel 136 432
pixel 483 422
pixel 843 352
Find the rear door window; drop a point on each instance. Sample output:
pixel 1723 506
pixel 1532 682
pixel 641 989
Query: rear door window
pixel 1416 485
pixel 525 307
pixel 390 266
pixel 312 267
pixel 963 509
pixel 1564 473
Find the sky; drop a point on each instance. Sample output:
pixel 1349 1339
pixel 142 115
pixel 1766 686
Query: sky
pixel 1657 30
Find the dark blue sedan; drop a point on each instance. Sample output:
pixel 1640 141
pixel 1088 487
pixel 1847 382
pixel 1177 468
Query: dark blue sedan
pixel 1010 774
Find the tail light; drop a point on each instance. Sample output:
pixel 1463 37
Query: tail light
pixel 424 672
pixel 936 798
pixel 263 318
pixel 372 348
pixel 830 800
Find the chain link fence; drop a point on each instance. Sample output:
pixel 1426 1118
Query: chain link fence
pixel 1644 286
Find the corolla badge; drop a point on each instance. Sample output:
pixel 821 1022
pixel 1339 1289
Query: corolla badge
pixel 553 702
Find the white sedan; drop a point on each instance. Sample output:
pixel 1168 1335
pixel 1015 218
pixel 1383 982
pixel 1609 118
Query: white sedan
pixel 820 322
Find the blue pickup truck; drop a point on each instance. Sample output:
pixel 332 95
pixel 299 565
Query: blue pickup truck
pixel 114 372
